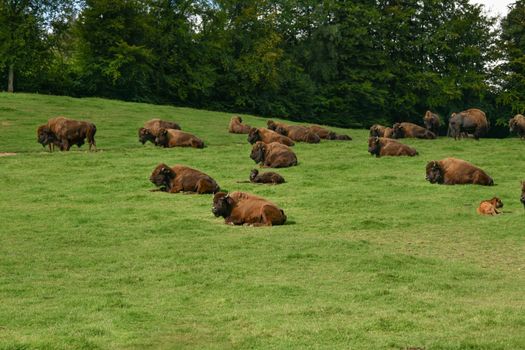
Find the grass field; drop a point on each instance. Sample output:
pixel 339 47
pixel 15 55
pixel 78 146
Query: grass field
pixel 372 255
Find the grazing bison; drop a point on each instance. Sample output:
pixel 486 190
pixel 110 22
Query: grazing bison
pixel 452 171
pixel 517 124
pixel 273 155
pixel 241 208
pixel 522 198
pixel 490 206
pixel 472 121
pixel 380 146
pixel 236 126
pixel 268 136
pixel 401 130
pixel 432 122
pixel 176 138
pixel 151 129
pixel 180 178
pixel 64 132
pixel 299 133
pixel 269 177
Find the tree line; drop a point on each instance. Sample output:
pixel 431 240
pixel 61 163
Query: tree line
pixel 344 63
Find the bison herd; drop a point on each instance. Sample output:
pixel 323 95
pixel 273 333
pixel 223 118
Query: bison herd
pixel 272 148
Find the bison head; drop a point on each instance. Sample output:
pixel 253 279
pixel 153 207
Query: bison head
pixel 331 136
pixel 237 119
pixel 512 124
pixel 222 204
pixel 146 135
pixel 434 173
pixel 271 125
pixel 162 138
pixel 397 131
pixel 162 176
pixel 253 174
pixel 281 130
pixel 429 119
pixel 375 131
pixel 45 136
pixel 454 125
pixel 254 136
pixel 258 151
pixel 496 202
pixel 374 146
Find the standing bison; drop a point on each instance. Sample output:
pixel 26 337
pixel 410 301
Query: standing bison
pixel 380 146
pixel 452 171
pixel 237 127
pixel 472 121
pixel 64 133
pixel 180 178
pixel 273 155
pixel 517 124
pixel 432 122
pixel 402 130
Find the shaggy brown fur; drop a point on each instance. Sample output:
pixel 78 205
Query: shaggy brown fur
pixel 152 127
pixel 268 177
pixel 299 133
pixel 180 178
pixel 236 126
pixel 273 155
pixel 176 138
pixel 432 122
pixel 64 132
pixel 517 124
pixel 472 121
pixel 380 147
pixel 274 125
pixel 268 136
pixel 240 208
pixel 401 130
pixel 452 171
pixel 490 206
pixel 327 134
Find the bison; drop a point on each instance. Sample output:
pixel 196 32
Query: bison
pixel 175 138
pixel 180 178
pixel 472 121
pixel 268 136
pixel 274 125
pixel 151 129
pixel 269 177
pixel 299 133
pixel 401 130
pixel 380 146
pixel 64 133
pixel 324 133
pixel 236 126
pixel 432 122
pixel 273 155
pixel 522 198
pixel 452 171
pixel 241 208
pixel 517 124
pixel 490 206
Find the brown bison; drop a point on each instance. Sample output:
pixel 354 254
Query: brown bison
pixel 522 198
pixel 381 131
pixel 299 133
pixel 176 138
pixel 432 122
pixel 380 146
pixel 236 126
pixel 180 178
pixel 452 171
pixel 327 134
pixel 490 206
pixel 269 177
pixel 274 125
pixel 241 208
pixel 472 121
pixel 401 130
pixel 64 133
pixel 268 136
pixel 152 127
pixel 273 155
pixel 517 124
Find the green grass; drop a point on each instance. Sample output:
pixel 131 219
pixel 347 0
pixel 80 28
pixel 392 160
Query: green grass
pixel 372 256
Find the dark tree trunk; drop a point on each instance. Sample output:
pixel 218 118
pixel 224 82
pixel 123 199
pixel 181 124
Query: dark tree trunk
pixel 11 78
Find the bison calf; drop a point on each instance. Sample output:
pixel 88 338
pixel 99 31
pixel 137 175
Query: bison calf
pixel 239 208
pixel 180 178
pixel 236 126
pixel 176 138
pixel 490 206
pixel 269 177
pixel 380 146
pixel 273 155
pixel 452 171
pixel 517 124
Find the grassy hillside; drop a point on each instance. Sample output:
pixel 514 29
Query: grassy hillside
pixel 372 256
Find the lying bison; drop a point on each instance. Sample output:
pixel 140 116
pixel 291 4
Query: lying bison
pixel 175 138
pixel 380 146
pixel 432 122
pixel 490 206
pixel 517 124
pixel 327 134
pixel 377 130
pixel 473 121
pixel 452 171
pixel 237 127
pixel 180 178
pixel 268 177
pixel 401 130
pixel 274 125
pixel 268 136
pixel 151 129
pixel 273 155
pixel 240 208
pixel 64 133
pixel 299 134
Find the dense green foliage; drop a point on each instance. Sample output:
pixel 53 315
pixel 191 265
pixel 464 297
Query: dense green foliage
pixel 337 62
pixel 372 256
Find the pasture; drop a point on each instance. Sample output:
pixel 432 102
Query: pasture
pixel 372 256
